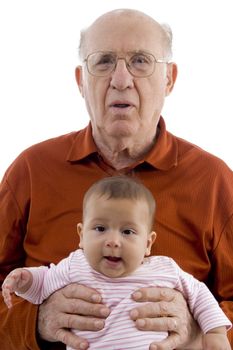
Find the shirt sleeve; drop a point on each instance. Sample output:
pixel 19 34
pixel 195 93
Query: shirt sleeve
pixel 221 279
pixel 18 325
pixel 201 301
pixel 46 280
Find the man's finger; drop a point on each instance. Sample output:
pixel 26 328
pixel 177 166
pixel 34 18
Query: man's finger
pixel 169 343
pixel 171 324
pixel 71 340
pixel 158 309
pixel 79 291
pixel 153 294
pixel 81 323
pixel 77 306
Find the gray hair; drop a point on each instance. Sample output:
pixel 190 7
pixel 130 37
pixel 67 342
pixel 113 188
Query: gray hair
pixel 168 38
pixel 82 43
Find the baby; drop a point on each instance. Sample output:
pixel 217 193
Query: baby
pixel 115 241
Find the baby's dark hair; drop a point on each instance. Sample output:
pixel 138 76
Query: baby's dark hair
pixel 122 187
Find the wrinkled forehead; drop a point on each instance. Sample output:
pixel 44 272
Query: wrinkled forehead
pixel 121 33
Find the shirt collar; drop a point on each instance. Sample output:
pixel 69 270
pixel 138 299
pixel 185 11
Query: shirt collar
pixel 163 155
pixel 83 145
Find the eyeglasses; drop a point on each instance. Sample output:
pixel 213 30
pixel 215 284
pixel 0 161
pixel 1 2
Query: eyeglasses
pixel 139 64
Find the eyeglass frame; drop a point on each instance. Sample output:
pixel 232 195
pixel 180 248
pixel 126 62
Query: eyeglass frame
pixel 155 60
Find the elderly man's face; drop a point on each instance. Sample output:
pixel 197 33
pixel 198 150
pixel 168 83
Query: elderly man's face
pixel 119 104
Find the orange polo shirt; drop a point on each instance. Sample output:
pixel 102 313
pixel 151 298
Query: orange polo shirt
pixel 41 202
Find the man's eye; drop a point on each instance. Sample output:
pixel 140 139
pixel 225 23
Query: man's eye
pixel 105 60
pixel 99 228
pixel 140 59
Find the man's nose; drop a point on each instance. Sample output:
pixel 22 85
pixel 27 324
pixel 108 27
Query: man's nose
pixel 121 78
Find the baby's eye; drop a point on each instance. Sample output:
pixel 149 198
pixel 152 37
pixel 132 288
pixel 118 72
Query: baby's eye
pixel 128 232
pixel 99 228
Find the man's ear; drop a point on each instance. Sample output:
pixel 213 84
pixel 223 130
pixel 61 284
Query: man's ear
pixel 150 240
pixel 171 74
pixel 79 79
pixel 80 233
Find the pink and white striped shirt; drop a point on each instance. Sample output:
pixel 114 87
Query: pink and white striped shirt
pixel 119 331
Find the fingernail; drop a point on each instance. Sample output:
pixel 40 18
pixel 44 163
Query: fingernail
pixel 96 298
pixel 141 323
pixel 134 314
pixel 99 324
pixel 137 295
pixel 104 312
pixel 83 346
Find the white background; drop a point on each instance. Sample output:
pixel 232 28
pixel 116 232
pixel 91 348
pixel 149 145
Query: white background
pixel 39 98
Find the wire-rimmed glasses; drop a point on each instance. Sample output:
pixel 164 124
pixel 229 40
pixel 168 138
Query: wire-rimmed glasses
pixel 139 64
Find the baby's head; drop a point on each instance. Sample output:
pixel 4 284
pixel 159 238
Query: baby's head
pixel 116 233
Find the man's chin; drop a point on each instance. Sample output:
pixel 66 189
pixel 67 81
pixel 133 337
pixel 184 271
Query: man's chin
pixel 122 130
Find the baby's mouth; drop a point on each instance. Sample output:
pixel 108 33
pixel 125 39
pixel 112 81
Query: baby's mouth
pixel 113 258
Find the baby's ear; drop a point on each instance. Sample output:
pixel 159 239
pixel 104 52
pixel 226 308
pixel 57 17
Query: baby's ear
pixel 80 233
pixel 150 240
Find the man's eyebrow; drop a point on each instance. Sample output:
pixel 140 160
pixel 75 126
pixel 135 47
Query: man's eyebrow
pixel 140 51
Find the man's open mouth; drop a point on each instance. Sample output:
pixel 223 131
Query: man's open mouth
pixel 121 105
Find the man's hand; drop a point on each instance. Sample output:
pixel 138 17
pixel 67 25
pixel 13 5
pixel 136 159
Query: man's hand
pixel 167 312
pixel 216 341
pixel 74 306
